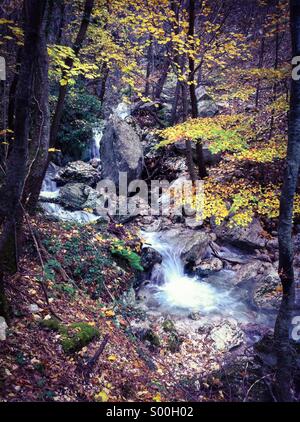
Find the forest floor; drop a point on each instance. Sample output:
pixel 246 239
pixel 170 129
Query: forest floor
pixel 115 365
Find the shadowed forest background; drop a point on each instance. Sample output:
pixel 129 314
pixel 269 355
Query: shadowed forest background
pixel 193 307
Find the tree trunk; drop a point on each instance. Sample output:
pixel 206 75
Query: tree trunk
pixel 11 192
pixel 39 144
pixel 286 254
pixel 199 150
pixel 89 4
pixel 163 76
pixel 188 143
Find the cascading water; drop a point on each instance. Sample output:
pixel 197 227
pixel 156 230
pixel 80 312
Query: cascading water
pixel 49 187
pixel 50 190
pixel 95 147
pixel 174 292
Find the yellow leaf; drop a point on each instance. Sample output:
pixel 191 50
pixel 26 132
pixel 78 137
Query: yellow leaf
pixel 112 358
pixel 157 397
pixel 110 313
pixel 102 396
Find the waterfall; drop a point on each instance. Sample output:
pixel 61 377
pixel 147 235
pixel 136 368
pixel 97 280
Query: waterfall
pixel 177 290
pixel 50 190
pixel 95 147
pixel 49 186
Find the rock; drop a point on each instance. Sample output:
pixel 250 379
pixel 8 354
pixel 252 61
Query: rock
pixel 265 293
pixel 193 244
pixel 73 196
pixel 95 162
pixel 122 110
pixel 208 266
pixel 128 298
pixel 227 336
pixel 3 328
pixel 206 105
pixel 150 257
pixel 195 316
pixel 193 223
pixel 261 279
pixel 33 308
pixel 249 237
pixel 121 150
pixel 152 338
pixel 78 172
pixel 168 326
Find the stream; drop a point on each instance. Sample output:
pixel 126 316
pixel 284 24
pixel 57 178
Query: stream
pixel 173 292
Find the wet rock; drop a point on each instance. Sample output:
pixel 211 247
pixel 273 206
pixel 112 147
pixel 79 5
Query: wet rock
pixel 150 257
pixel 208 266
pixel 227 336
pixel 195 316
pixel 193 244
pixel 78 172
pixel 73 196
pixel 121 150
pixel 260 282
pixel 3 328
pixel 249 237
pixel 193 223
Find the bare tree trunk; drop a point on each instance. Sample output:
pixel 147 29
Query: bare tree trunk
pixel 199 150
pixel 160 83
pixel 89 4
pixel 39 144
pixel 188 143
pixel 260 65
pixel 11 192
pixel 286 253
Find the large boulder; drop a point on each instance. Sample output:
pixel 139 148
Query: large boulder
pixel 78 172
pixel 150 257
pixel 73 196
pixel 120 150
pixel 206 105
pixel 250 237
pixel 259 281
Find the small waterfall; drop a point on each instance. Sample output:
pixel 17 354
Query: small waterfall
pixel 177 290
pixel 95 147
pixel 50 190
pixel 49 187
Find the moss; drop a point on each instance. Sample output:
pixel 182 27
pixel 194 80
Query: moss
pixel 168 326
pixel 74 336
pixel 152 338
pixel 174 342
pixel 52 324
pixel 77 336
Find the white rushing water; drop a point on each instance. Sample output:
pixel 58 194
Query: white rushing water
pixel 177 290
pixel 50 190
pixel 97 136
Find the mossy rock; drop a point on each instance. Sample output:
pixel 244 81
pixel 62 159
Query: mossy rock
pixel 74 336
pixel 168 326
pixel 174 342
pixel 152 338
